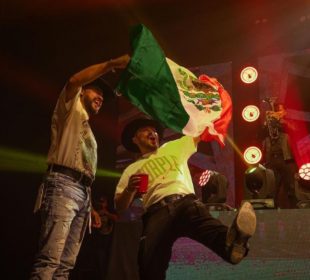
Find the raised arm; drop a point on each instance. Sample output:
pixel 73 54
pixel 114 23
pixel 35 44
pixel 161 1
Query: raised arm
pixel 91 73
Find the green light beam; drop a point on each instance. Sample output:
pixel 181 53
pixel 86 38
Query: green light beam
pixel 13 160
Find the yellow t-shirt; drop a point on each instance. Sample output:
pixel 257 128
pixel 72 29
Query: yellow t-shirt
pixel 167 169
pixel 72 141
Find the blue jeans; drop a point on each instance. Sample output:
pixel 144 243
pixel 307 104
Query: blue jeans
pixel 65 214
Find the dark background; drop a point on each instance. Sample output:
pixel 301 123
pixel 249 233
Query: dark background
pixel 44 42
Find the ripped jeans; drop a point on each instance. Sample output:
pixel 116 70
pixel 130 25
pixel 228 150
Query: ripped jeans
pixel 65 214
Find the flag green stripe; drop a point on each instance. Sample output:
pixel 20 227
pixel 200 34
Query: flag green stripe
pixel 149 83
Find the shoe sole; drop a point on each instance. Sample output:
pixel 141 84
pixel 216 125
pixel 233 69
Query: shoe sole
pixel 243 228
pixel 246 220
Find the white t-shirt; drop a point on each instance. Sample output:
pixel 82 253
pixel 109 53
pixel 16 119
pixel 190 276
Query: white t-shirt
pixel 72 141
pixel 167 169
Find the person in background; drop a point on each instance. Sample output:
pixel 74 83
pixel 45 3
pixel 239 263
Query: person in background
pixel 107 218
pixel 103 235
pixel 278 155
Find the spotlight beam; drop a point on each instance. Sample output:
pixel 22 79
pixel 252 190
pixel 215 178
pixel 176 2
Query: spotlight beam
pixel 234 146
pixel 13 160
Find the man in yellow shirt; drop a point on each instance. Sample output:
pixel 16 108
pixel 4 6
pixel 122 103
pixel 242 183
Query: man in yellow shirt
pixel 171 207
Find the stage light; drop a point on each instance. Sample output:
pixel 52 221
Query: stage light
pixel 252 155
pixel 304 172
pixel 250 113
pixel 302 186
pixel 259 186
pixel 204 178
pixel 215 188
pixel 249 75
pixel 254 179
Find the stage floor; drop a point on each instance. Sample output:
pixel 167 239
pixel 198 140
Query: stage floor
pixel 280 249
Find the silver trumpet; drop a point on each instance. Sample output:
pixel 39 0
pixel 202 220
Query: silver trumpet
pixel 273 124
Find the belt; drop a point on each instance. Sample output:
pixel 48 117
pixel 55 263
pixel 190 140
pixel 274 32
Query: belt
pixel 168 200
pixel 74 174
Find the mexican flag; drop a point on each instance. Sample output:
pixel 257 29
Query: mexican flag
pixel 171 94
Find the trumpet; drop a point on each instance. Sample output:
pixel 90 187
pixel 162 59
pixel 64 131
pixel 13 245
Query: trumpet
pixel 273 125
pixel 273 119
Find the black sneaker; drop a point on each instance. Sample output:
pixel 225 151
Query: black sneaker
pixel 242 228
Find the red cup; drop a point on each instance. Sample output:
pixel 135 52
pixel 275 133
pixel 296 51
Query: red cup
pixel 144 181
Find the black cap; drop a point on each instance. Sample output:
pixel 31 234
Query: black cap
pixel 103 86
pixel 131 128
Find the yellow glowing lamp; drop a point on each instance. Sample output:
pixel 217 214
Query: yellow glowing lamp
pixel 252 155
pixel 250 113
pixel 249 75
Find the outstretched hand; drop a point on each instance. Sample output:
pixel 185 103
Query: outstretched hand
pixel 121 62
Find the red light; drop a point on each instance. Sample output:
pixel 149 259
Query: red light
pixel 204 178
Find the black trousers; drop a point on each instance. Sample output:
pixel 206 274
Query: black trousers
pixel 186 217
pixel 284 172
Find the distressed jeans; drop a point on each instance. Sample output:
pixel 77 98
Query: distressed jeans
pixel 65 214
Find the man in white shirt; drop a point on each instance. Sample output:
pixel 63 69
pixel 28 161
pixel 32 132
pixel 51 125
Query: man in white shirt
pixel 64 196
pixel 171 207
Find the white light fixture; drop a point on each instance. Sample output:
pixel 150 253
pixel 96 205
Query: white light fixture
pixel 252 155
pixel 250 113
pixel 304 172
pixel 249 75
